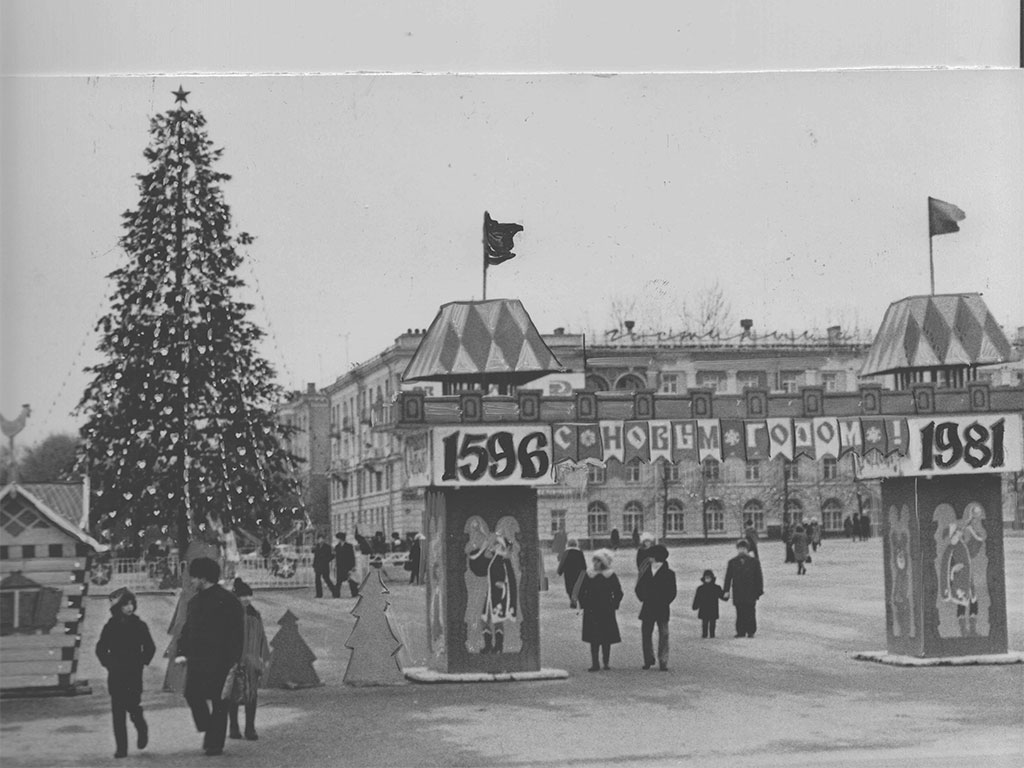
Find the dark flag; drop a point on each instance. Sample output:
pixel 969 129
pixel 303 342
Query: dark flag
pixel 498 240
pixel 943 217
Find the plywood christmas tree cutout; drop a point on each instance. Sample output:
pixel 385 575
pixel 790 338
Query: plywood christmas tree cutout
pixel 291 660
pixel 374 641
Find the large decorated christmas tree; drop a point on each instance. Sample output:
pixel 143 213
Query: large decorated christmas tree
pixel 180 424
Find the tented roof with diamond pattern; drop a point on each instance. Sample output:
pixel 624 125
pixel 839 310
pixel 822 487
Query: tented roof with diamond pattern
pixel 954 329
pixel 493 340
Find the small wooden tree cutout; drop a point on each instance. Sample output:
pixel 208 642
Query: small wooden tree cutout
pixel 291 660
pixel 374 641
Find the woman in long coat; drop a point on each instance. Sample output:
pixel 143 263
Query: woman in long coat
pixel 255 655
pixel 800 549
pixel 600 597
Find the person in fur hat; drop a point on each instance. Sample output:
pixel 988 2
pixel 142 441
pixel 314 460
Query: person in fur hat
pixel 124 648
pixel 572 567
pixel 656 589
pixel 705 603
pixel 255 655
pixel 643 552
pixel 600 596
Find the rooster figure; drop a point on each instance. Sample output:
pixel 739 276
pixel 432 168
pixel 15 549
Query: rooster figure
pixel 12 427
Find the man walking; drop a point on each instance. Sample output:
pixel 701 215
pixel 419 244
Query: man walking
pixel 322 557
pixel 210 643
pixel 656 589
pixel 750 534
pixel 344 564
pixel 744 579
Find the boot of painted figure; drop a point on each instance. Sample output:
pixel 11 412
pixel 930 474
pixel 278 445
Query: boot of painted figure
pixel 499 642
pixel 487 643
pixel 963 626
pixel 972 624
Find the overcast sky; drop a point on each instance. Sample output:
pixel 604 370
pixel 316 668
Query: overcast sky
pixel 803 194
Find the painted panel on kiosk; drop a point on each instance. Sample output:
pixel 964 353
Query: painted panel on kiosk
pixel 434 551
pixel 902 552
pixel 492 582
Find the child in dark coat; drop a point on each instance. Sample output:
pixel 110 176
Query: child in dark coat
pixel 705 603
pixel 600 596
pixel 125 647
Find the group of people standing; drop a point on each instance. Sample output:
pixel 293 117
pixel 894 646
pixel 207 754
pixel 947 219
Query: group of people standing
pixel 859 527
pixel 343 556
pixel 222 644
pixel 598 593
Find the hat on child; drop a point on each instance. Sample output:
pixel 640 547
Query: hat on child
pixel 604 556
pixel 120 597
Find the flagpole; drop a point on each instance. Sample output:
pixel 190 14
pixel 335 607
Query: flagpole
pixel 484 241
pixel 931 263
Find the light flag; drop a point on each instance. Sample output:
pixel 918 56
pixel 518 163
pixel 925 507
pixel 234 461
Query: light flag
pixel 850 439
pixel 709 440
pixel 637 440
pixel 684 441
pixel 611 438
pixel 661 440
pixel 826 437
pixel 780 437
pixel 803 437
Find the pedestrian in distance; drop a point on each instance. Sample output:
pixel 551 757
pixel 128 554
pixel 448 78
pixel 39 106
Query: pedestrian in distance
pixel 572 568
pixel 656 589
pixel 412 565
pixel 865 526
pixel 750 534
pixel 856 535
pixel 705 603
pixel 848 527
pixel 209 645
pixel 322 557
pixel 787 539
pixel 344 565
pixel 636 537
pixel 255 655
pixel 745 582
pixel 615 538
pixel 801 549
pixel 815 534
pixel 600 597
pixel 124 648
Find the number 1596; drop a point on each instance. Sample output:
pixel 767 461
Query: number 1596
pixel 471 455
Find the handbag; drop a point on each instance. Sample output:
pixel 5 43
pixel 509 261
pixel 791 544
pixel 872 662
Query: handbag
pixel 234 685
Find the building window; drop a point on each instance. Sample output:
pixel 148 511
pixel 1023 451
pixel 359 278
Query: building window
pixel 753 470
pixel 557 521
pixel 751 380
pixel 596 383
pixel 711 469
pixel 794 512
pixel 832 515
pixel 789 381
pixel 753 512
pixel 714 380
pixel 830 468
pixel 672 382
pixel 631 382
pixel 633 517
pixel 671 472
pixel 674 517
pixel 714 517
pixel 596 473
pixel 831 381
pixel 597 519
pixel 790 469
pixel 633 471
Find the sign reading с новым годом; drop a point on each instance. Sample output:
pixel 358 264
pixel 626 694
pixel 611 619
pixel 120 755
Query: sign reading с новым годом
pixel 885 446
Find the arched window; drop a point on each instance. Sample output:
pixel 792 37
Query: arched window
pixel 630 382
pixel 714 516
pixel 674 518
pixel 712 470
pixel 596 383
pixel 832 515
pixel 794 511
pixel 633 517
pixel 597 519
pixel 753 512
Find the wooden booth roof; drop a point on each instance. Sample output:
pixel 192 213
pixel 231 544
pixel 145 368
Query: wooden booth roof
pixel 59 503
pixel 475 340
pixel 948 330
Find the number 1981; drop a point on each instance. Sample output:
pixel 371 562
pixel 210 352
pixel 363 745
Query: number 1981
pixel 943 445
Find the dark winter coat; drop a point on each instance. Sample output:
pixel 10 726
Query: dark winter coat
pixel 600 597
pixel 744 580
pixel 415 552
pixel 865 526
pixel 572 565
pixel 800 546
pixel 322 556
pixel 211 641
pixel 255 653
pixel 125 647
pixel 750 535
pixel 705 600
pixel 642 554
pixel 344 559
pixel 656 590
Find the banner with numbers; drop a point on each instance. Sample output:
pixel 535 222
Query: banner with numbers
pixel 953 445
pixel 477 454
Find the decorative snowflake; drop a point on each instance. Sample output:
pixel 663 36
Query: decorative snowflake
pixel 732 437
pixel 873 435
pixel 588 437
